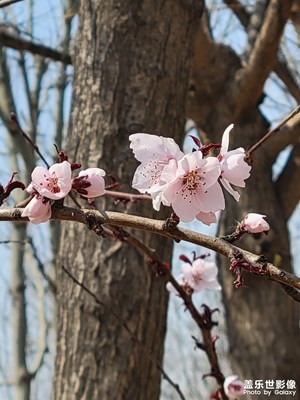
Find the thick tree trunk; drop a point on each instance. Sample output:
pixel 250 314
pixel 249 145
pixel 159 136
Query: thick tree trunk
pixel 131 75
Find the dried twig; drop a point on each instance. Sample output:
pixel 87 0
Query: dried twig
pixel 16 42
pixel 5 3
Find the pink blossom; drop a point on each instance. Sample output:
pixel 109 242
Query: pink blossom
pixel 201 275
pixel 54 183
pixel 194 188
pixel 207 218
pixel 155 154
pixel 38 210
pixel 255 223
pixel 90 182
pixel 233 387
pixel 234 169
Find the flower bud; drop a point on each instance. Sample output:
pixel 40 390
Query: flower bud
pixel 255 223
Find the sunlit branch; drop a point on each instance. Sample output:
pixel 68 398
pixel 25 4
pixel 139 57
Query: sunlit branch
pixel 280 67
pixel 267 269
pixel 273 130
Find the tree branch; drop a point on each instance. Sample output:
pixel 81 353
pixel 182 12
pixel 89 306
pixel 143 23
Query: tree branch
pixel 268 270
pixel 250 79
pixel 289 134
pixel 5 3
pixel 14 41
pixel 273 131
pixel 280 68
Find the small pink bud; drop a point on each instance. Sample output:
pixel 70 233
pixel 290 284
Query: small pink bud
pixel 233 387
pixel 255 223
pixel 38 210
pixel 92 181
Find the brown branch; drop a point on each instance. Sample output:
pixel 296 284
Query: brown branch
pixel 126 327
pixel 287 186
pixel 13 117
pixel 5 3
pixel 158 227
pixel 280 67
pixel 250 79
pixel 273 131
pixel 127 196
pixel 15 41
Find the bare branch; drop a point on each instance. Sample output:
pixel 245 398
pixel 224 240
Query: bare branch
pixel 250 79
pixel 274 130
pixel 254 25
pixel 5 3
pixel 287 186
pixel 82 216
pixel 16 42
pixel 13 117
pixel 281 68
pixel 289 134
pixel 239 10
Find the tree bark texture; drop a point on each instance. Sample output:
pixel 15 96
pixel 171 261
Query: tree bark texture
pixel 131 75
pixel 262 320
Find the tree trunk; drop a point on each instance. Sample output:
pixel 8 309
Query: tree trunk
pixel 131 75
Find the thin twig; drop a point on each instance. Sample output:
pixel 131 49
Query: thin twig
pixel 274 130
pixel 16 42
pixel 127 196
pixel 13 117
pixel 5 3
pixel 127 329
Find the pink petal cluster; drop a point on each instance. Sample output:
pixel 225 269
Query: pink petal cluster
pixel 49 185
pixel 197 276
pixel 234 169
pixel 157 155
pixel 189 183
pixel 233 387
pixel 255 223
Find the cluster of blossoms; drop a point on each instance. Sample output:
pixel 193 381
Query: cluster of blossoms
pixel 189 183
pixel 196 276
pixel 49 185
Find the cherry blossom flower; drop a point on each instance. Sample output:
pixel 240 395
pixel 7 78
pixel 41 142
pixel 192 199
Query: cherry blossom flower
pixel 255 223
pixel 90 182
pixel 38 210
pixel 155 154
pixel 54 183
pixel 233 387
pixel 207 218
pixel 194 188
pixel 234 169
pixel 196 276
pixel 201 275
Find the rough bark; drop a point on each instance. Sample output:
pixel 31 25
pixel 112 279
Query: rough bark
pixel 131 75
